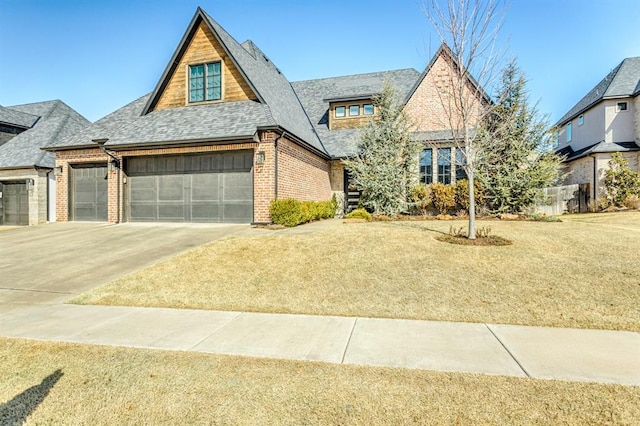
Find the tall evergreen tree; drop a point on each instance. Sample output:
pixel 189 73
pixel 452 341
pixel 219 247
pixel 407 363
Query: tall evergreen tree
pixel 517 160
pixel 386 165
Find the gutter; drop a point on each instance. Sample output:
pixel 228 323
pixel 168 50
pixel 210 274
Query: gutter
pixel 164 144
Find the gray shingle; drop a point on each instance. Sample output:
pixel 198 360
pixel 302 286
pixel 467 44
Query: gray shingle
pixel 315 95
pixel 17 118
pixel 127 126
pixel 56 122
pixel 623 80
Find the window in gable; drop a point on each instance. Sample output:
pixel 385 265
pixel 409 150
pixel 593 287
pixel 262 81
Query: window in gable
pixel 205 82
pixel 368 109
pixel 580 120
pixel 354 110
pixel 621 106
pixel 569 135
pixel 341 111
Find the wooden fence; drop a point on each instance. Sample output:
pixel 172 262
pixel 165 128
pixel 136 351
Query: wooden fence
pixel 565 199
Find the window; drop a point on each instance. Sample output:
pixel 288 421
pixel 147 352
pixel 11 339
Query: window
pixel 569 132
pixel 205 82
pixel 444 165
pixel 426 166
pixel 354 110
pixel 460 162
pixel 621 106
pixel 580 120
pixel 340 112
pixel 368 109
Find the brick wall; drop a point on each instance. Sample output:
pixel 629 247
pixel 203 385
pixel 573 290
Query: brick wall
pixel 301 174
pixel 429 106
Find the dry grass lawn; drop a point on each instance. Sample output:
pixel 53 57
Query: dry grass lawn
pixel 56 383
pixel 582 272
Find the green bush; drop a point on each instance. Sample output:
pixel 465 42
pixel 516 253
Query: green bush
pixel 462 194
pixel 620 182
pixel 359 214
pixel 420 199
pixel 290 212
pixel 444 197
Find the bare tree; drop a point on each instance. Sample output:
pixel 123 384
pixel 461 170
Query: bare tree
pixel 468 31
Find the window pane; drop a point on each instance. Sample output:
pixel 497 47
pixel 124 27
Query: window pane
pixel 368 109
pixel 354 110
pixel 460 162
pixel 196 83
pixel 214 81
pixel 444 165
pixel 340 111
pixel 569 132
pixel 426 166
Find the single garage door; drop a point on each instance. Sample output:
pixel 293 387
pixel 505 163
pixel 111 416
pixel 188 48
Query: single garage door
pixel 88 201
pixel 214 187
pixel 15 203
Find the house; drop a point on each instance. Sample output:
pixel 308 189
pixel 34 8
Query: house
pixel 27 184
pixel 604 121
pixel 224 133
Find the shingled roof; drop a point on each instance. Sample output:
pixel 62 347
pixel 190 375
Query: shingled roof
pixel 52 122
pixel 17 118
pixel 280 105
pixel 315 96
pixel 622 81
pixel 128 127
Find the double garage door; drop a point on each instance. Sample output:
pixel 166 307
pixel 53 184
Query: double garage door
pixel 214 187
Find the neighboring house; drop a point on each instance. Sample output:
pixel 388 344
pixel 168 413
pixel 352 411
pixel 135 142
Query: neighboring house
pixel 224 133
pixel 27 184
pixel 605 121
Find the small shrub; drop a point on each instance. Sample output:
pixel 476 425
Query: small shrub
pixel 483 232
pixel 620 182
pixel 632 202
pixel 287 212
pixel 290 212
pixel 444 197
pixel 420 199
pixel 359 214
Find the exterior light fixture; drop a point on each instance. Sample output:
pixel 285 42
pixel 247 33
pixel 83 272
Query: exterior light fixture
pixel 260 156
pixel 57 171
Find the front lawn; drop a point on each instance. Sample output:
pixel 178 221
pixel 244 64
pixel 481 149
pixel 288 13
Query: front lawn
pixel 582 272
pixel 59 383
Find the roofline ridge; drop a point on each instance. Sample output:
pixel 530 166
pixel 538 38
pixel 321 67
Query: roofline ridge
pixel 357 74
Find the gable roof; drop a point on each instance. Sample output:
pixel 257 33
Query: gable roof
pixel 54 122
pixel 622 81
pixel 445 50
pixel 265 79
pixel 316 95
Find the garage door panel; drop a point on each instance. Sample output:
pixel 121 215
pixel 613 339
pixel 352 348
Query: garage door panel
pixel 204 187
pixel 214 187
pixel 15 204
pixel 89 192
pixel 171 188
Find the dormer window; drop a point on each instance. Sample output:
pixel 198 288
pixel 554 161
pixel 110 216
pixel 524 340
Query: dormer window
pixel 354 110
pixel 205 82
pixel 367 109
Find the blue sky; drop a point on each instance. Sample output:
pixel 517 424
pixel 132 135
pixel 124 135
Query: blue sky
pixel 99 55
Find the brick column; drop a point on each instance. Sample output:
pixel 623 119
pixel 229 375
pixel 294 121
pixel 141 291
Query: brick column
pixel 264 181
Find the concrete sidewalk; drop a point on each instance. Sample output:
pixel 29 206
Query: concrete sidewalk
pixel 509 350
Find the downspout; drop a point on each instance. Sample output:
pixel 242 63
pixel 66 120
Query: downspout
pixel 101 143
pixel 595 176
pixel 48 194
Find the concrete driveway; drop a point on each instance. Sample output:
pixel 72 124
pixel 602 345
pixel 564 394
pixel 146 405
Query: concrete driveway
pixel 51 263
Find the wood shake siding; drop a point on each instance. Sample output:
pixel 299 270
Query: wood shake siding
pixel 204 48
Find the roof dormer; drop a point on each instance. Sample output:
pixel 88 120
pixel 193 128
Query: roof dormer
pixel 350 112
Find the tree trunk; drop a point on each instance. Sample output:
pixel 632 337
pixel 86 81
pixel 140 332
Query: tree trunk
pixel 472 205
